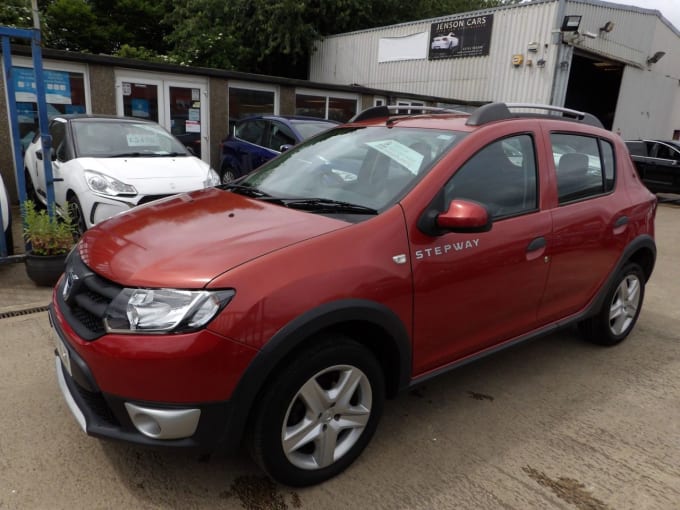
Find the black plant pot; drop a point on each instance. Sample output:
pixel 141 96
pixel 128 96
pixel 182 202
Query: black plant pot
pixel 45 270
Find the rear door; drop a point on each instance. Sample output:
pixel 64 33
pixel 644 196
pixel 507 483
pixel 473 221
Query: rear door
pixel 590 222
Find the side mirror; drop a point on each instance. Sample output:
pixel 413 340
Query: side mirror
pixel 53 155
pixel 38 154
pixel 285 147
pixel 464 216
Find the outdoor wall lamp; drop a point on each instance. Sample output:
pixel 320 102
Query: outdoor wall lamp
pixel 655 58
pixel 570 23
pixel 607 27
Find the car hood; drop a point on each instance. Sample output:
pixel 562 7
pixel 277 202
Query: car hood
pixel 136 168
pixel 187 240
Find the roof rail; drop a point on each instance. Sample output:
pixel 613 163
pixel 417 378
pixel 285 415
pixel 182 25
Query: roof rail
pixel 393 109
pixel 499 111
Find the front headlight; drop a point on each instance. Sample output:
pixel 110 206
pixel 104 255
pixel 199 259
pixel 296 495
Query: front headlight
pixel 106 185
pixel 212 179
pixel 164 310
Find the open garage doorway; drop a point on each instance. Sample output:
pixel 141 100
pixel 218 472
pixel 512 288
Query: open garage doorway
pixel 594 85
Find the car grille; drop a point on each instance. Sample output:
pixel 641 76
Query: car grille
pixel 90 295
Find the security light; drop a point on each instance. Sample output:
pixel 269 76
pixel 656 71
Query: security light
pixel 607 27
pixel 571 23
pixel 656 57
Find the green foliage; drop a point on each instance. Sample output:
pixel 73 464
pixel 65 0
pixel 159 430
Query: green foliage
pixel 16 14
pixel 258 36
pixel 48 235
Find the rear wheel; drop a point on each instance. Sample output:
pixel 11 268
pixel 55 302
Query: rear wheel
pixel 620 310
pixel 319 413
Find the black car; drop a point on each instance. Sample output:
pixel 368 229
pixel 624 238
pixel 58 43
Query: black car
pixel 256 140
pixel 658 163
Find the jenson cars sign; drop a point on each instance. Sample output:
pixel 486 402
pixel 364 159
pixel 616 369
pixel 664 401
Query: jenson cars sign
pixel 464 37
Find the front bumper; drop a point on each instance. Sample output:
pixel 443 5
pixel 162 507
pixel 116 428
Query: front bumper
pixel 202 426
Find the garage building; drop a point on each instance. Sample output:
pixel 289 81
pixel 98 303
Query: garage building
pixel 619 62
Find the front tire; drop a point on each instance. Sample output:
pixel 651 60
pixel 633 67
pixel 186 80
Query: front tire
pixel 75 210
pixel 227 175
pixel 620 310
pixel 319 413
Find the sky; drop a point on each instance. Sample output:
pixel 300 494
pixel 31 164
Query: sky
pixel 669 8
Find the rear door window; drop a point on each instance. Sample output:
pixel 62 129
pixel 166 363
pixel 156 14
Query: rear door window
pixel 584 166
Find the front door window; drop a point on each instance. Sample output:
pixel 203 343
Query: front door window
pixel 140 100
pixel 185 117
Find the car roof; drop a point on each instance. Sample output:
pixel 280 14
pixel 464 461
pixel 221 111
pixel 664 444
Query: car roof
pixel 289 117
pixel 444 118
pixel 96 117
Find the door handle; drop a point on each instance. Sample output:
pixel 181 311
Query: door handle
pixel 536 244
pixel 621 221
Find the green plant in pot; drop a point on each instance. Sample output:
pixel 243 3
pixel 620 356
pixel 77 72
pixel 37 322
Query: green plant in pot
pixel 49 239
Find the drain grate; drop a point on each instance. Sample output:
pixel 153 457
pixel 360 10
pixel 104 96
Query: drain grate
pixel 26 311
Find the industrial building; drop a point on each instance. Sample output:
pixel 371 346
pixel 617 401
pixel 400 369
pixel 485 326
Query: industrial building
pixel 619 62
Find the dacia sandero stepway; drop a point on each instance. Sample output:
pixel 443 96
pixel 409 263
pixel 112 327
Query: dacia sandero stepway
pixel 281 309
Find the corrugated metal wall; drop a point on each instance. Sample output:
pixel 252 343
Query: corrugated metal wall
pixel 353 58
pixel 649 97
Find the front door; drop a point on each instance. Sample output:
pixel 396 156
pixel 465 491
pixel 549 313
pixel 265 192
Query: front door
pixel 186 114
pixel 475 290
pixel 179 106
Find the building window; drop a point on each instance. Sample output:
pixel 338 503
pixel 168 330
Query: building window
pixel 326 107
pixel 64 93
pixel 140 100
pixel 245 102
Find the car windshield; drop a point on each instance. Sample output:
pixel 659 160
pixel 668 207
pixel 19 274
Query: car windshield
pixel 110 139
pixel 309 128
pixel 370 167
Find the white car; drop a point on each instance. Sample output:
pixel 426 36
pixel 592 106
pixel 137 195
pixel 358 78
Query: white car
pixel 105 165
pixel 6 220
pixel 445 42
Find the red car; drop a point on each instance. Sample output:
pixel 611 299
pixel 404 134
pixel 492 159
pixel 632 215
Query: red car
pixel 283 308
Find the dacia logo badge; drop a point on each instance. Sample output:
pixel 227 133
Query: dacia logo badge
pixel 69 284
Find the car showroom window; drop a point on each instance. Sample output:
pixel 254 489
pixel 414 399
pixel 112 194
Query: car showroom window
pixel 502 176
pixel 578 166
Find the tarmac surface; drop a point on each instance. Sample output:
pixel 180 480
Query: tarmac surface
pixel 554 423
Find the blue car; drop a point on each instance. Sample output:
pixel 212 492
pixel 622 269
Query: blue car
pixel 256 140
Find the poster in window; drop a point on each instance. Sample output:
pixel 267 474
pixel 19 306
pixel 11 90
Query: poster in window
pixel 140 108
pixel 464 37
pixel 57 86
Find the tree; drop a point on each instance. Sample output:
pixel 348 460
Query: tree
pixel 16 14
pixel 277 37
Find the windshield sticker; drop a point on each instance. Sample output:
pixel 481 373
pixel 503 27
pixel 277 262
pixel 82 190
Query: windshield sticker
pixel 400 153
pixel 139 140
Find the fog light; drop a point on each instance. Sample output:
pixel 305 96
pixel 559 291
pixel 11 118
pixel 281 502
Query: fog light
pixel 164 423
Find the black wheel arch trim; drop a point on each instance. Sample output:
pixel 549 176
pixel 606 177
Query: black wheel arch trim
pixel 642 242
pixel 293 335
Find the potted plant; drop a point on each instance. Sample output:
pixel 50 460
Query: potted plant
pixel 49 240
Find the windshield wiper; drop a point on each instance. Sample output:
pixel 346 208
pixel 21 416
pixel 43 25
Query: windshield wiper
pixel 249 191
pixel 324 205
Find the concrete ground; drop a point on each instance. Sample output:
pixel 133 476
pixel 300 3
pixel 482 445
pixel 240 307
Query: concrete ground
pixel 555 423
